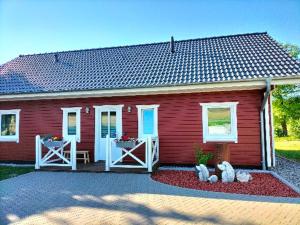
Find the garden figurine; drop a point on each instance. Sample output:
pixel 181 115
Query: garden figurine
pixel 243 176
pixel 227 172
pixel 213 179
pixel 202 172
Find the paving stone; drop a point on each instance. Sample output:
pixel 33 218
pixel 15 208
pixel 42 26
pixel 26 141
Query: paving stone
pixel 111 198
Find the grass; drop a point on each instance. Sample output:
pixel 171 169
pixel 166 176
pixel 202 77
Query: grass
pixel 7 172
pixel 288 148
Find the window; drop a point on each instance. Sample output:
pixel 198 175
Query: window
pixel 219 122
pixel 147 120
pixel 9 120
pixel 71 122
pixel 108 124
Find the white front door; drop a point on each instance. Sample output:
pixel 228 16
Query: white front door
pixel 108 121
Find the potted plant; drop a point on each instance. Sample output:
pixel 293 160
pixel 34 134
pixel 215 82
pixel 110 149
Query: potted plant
pixel 52 141
pixel 126 142
pixel 202 157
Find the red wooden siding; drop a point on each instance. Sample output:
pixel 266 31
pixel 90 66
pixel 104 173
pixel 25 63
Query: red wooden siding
pixel 179 124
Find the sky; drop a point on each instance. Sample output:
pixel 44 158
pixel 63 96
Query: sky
pixel 38 26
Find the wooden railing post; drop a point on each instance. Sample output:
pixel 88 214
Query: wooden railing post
pixel 37 151
pixel 107 154
pixel 73 153
pixel 149 153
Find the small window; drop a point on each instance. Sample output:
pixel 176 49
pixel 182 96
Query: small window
pixel 71 122
pixel 147 120
pixel 9 120
pixel 219 122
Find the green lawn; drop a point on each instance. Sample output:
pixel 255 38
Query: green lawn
pixel 288 148
pixel 13 171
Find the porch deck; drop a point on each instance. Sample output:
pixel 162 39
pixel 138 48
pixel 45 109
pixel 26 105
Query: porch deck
pixel 94 167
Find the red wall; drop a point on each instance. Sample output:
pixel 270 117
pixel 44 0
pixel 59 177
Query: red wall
pixel 180 124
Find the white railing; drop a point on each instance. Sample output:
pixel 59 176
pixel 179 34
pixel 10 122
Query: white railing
pixel 151 154
pixel 54 156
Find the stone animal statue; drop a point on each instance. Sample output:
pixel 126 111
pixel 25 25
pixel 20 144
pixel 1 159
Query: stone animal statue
pixel 227 172
pixel 213 179
pixel 243 176
pixel 202 172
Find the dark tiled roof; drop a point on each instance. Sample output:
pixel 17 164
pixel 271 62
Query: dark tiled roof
pixel 216 59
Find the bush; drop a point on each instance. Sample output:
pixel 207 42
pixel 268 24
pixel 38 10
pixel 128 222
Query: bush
pixel 295 129
pixel 201 157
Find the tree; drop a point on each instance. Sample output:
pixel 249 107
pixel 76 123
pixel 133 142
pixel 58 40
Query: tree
pixel 286 103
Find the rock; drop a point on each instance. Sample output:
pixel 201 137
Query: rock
pixel 227 172
pixel 243 176
pixel 202 172
pixel 213 179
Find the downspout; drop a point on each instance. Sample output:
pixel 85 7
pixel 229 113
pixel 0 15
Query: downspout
pixel 262 124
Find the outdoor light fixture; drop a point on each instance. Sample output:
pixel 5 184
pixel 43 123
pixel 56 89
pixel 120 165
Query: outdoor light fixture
pixel 87 109
pixel 129 109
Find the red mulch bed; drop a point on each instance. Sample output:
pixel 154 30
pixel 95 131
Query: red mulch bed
pixel 262 184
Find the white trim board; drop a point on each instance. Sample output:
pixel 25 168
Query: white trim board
pixel 193 88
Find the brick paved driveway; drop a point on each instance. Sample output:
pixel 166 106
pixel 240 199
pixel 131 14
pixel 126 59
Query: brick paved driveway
pixel 89 198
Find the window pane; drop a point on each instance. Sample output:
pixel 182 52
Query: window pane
pixel 104 124
pixel 72 123
pixel 8 125
pixel 148 121
pixel 113 125
pixel 219 121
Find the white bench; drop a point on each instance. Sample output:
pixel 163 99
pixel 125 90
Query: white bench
pixel 85 156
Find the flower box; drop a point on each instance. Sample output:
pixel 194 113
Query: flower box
pixel 53 144
pixel 126 144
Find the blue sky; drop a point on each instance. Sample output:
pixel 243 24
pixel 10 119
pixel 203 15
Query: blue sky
pixel 35 26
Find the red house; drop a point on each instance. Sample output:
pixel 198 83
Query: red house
pixel 175 94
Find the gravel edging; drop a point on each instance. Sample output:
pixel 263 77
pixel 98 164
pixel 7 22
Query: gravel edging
pixel 275 174
pixel 288 169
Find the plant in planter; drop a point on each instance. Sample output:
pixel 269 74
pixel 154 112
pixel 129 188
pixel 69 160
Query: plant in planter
pixel 201 157
pixel 126 142
pixel 53 141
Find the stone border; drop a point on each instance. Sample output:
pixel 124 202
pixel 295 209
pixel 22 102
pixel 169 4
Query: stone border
pixel 16 165
pixel 274 174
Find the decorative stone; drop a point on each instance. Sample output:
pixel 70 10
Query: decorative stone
pixel 243 176
pixel 202 172
pixel 213 179
pixel 227 172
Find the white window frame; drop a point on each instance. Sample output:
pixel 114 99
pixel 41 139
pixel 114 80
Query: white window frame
pixel 66 111
pixel 13 138
pixel 140 108
pixel 233 137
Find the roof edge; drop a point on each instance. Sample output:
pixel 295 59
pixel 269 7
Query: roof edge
pixel 207 87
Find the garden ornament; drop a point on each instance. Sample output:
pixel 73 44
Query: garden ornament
pixel 243 176
pixel 213 179
pixel 227 172
pixel 202 172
